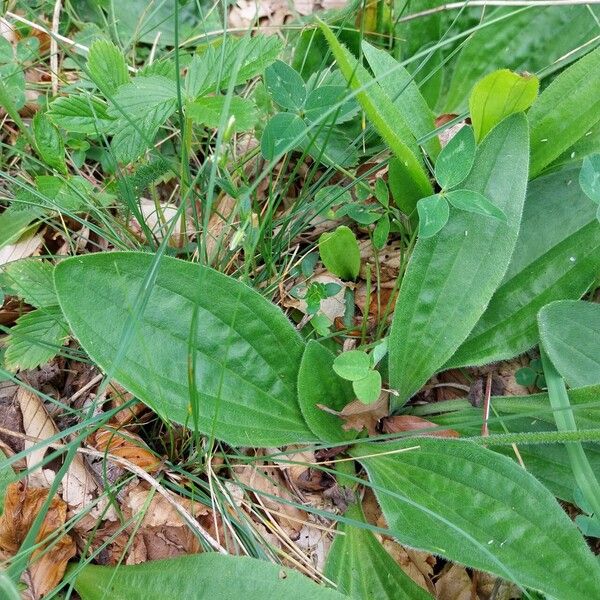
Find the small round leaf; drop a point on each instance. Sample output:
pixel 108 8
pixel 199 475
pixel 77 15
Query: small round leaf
pixel 433 215
pixel 352 365
pixel 368 388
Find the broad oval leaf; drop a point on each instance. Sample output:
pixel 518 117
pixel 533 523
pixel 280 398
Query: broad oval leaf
pixel 456 159
pixel 284 132
pixel 285 85
pixel 558 260
pixel 565 111
pixel 498 95
pixel 452 276
pixel 319 385
pixel 434 213
pixel 476 507
pixel 206 575
pixel 340 252
pixel 474 202
pixel 243 351
pixel 570 332
pixel 363 569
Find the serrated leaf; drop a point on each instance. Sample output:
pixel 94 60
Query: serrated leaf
pixel 528 40
pixel 478 508
pixel 499 95
pixel 107 67
pixel 318 384
pixel 451 277
pixel 284 132
pixel 247 57
pixel 80 114
pixel 368 388
pixel 326 97
pixel 209 112
pixel 557 261
pixel 589 177
pixel 402 89
pixel 32 280
pixel 456 159
pixel 554 124
pixel 570 333
pixel 35 338
pixel 186 576
pixel 247 354
pixel 340 252
pixel 49 143
pixel 385 117
pixel 433 215
pixel 474 202
pixel 285 86
pixel 363 569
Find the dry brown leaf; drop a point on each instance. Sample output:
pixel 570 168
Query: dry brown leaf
pixel 28 245
pixel 265 482
pixel 454 584
pixel 219 229
pixel 400 423
pixel 48 562
pixel 162 532
pixel 489 586
pixel 359 416
pixel 127 445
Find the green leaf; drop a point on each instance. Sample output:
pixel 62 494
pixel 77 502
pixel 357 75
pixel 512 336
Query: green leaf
pixel 284 132
pixel 212 70
pixel 285 86
pixel 474 202
pixel 456 159
pixel 35 338
pixel 107 67
pixel 340 253
pixel 326 97
pixel 525 40
pixel 402 89
pixel 555 125
pixel 363 569
pixel 189 576
pixel 589 177
pixel 434 213
pixel 319 385
pixel 13 223
pixel 80 114
pixel 31 279
pixel 385 117
pixel 209 112
pixel 558 260
pixel 368 388
pixel 499 95
pixel 452 276
pixel 570 333
pixel 381 232
pixel 480 509
pixel 352 365
pixel 246 354
pixel 49 143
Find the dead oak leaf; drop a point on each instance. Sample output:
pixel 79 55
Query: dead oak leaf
pixel 49 560
pixel 400 423
pixel 359 416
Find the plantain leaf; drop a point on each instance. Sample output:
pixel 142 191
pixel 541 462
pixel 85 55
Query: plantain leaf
pixel 570 332
pixel 498 95
pixel 555 125
pixel 527 40
pixel 476 507
pixel 557 261
pixel 363 569
pixel 452 276
pixel 206 575
pixel 386 118
pixel 244 352
pixel 319 385
pixel 589 177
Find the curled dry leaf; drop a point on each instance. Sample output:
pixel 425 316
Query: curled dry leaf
pixel 359 416
pixel 49 560
pixel 454 584
pixel 127 445
pixel 400 423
